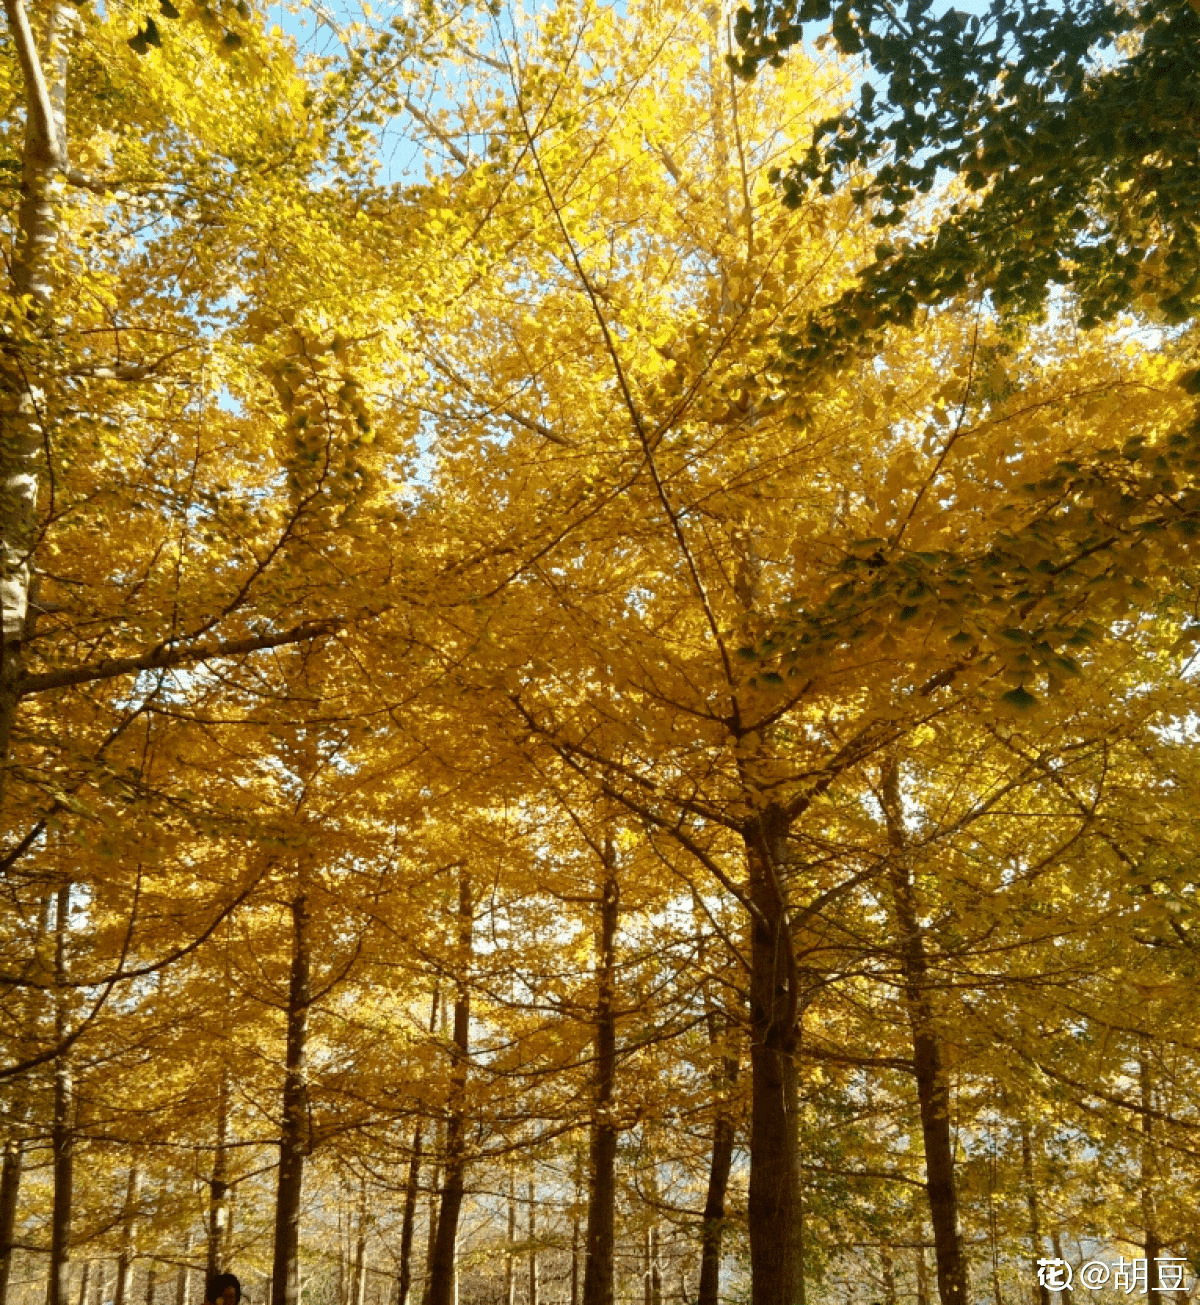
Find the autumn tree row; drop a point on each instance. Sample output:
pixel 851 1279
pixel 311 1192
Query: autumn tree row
pixel 476 696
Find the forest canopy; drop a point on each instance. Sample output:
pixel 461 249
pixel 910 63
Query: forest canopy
pixel 597 691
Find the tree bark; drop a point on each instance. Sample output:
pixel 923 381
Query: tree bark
pixel 408 1219
pixel 1066 1296
pixel 712 1230
pixel 576 1230
pixel 183 1282
pixel 887 1271
pixel 412 1185
pixel 601 1215
pixel 218 1184
pixel 775 1208
pixel 933 1089
pixel 13 1166
pixel 43 161
pixel 1041 1293
pixel 358 1281
pixel 1149 1177
pixel 294 1140
pixel 10 1191
pixel 533 1256
pixel 652 1283
pixel 439 1150
pixel 442 1263
pixel 123 1291
pixel 510 1259
pixel 62 1129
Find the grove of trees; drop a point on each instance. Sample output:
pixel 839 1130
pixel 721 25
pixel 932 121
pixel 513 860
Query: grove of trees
pixel 597 687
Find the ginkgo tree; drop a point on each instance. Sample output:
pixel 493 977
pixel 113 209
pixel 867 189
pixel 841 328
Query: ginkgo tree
pixel 750 593
pixel 442 594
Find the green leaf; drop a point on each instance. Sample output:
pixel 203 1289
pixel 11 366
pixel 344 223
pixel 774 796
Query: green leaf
pixel 1020 699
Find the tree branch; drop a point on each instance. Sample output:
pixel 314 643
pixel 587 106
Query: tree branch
pixel 161 658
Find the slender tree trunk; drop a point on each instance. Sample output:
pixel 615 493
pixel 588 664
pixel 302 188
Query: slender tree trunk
pixel 21 438
pixel 151 1283
pixel 183 1281
pixel 343 1295
pixel 1041 1293
pixel 533 1255
pixel 435 1186
pixel 123 1291
pixel 887 1271
pixel 652 1279
pixel 12 1168
pixel 1067 1295
pixel 933 1089
pixel 1150 1177
pixel 10 1191
pixel 775 1208
pixel 409 1219
pixel 218 1184
pixel 576 1230
pixel 712 1230
pixel 601 1217
pixel 413 1185
pixel 62 1129
pixel 294 1140
pixel 358 1290
pixel 922 1271
pixel 85 1282
pixel 442 1264
pixel 510 1259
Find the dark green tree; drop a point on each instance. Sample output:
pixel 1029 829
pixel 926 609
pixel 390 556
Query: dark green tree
pixel 1073 126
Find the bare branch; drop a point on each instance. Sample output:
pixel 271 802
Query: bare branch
pixel 163 657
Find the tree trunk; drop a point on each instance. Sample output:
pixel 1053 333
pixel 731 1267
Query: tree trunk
pixel 1065 1296
pixel 62 1129
pixel 712 1230
pixel 85 1282
pixel 510 1259
pixel 439 1150
pixel 123 1291
pixel 358 1282
pixel 601 1216
pixel 933 1089
pixel 10 1191
pixel 576 1230
pixel 775 1210
pixel 652 1284
pixel 413 1185
pixel 183 1281
pixel 13 1166
pixel 922 1272
pixel 887 1271
pixel 1041 1293
pixel 442 1262
pixel 44 92
pixel 533 1256
pixel 218 1184
pixel 408 1219
pixel 1150 1177
pixel 294 1139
